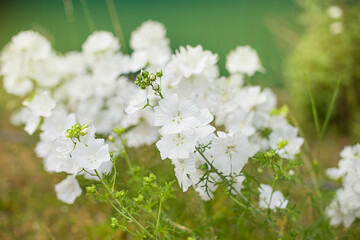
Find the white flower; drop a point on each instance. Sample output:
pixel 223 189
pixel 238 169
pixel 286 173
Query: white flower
pixel 104 168
pixel 175 146
pixel 92 155
pixel 175 117
pixel 183 168
pixel 288 134
pixel 243 59
pixel 194 60
pixel 42 104
pixel 17 84
pixel 100 42
pixel 57 124
pixel 68 190
pixel 229 152
pixel 270 199
pixel 335 12
pixel 30 44
pixel 203 129
pixel 142 134
pixel 31 124
pixel 345 208
pixel 64 145
pixel 138 101
pixel 336 28
pixel 150 33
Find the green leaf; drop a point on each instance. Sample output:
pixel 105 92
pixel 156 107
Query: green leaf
pixel 331 108
pixel 313 107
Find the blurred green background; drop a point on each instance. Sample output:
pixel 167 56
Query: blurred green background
pixel 28 205
pixel 218 26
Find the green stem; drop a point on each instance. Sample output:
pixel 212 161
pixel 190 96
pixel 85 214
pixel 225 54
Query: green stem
pixel 307 160
pixel 125 153
pixel 159 213
pixel 129 217
pixel 273 183
pixel 239 193
pixel 116 24
pixel 88 17
pixel 161 95
pixel 113 184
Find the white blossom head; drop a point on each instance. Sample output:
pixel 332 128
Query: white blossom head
pixel 100 42
pixel 68 190
pixel 244 60
pixel 149 34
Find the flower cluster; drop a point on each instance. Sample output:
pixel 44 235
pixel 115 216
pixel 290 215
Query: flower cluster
pixel 67 146
pixel 97 85
pixel 96 76
pixel 345 207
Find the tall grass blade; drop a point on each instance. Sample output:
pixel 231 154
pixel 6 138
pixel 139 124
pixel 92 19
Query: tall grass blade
pixel 313 107
pixel 88 17
pixel 331 108
pixel 116 24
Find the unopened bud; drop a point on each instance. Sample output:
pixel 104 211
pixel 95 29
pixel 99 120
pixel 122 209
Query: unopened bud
pixel 91 189
pixel 144 73
pixel 84 131
pixel 282 144
pixel 159 73
pixel 155 86
pixel 114 223
pixel 291 172
pixel 152 77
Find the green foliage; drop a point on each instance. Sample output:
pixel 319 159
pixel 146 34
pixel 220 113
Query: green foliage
pixel 326 57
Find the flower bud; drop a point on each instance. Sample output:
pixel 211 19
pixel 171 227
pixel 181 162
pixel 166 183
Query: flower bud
pixel 114 223
pixel 159 73
pixel 152 77
pixel 291 172
pixel 111 138
pixel 119 131
pixel 84 131
pixel 144 73
pixel 155 86
pixel 282 144
pixel 91 189
pixel 120 195
pixel 139 198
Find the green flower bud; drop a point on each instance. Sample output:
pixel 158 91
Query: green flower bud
pixel 155 86
pixel 119 131
pixel 152 177
pixel 111 138
pixel 152 77
pixel 282 144
pixel 144 73
pixel 139 198
pixel 114 223
pixel 120 195
pixel 159 73
pixel 91 189
pixel 270 154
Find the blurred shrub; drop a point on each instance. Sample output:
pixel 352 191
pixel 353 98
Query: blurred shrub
pixel 328 50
